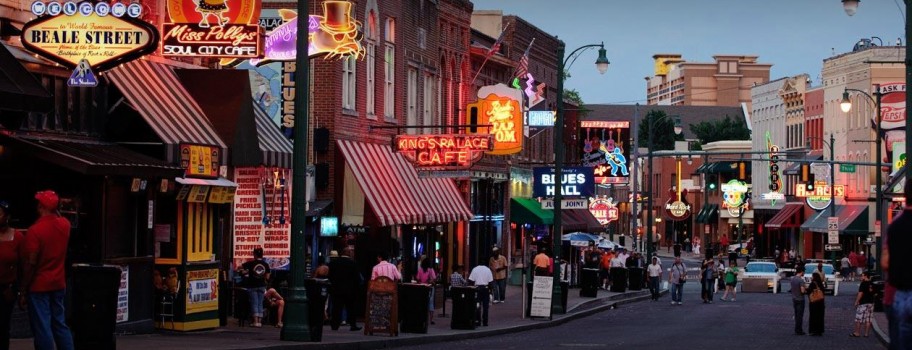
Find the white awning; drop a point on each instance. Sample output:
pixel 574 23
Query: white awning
pixel 223 182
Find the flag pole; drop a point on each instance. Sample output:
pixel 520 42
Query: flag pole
pixel 491 52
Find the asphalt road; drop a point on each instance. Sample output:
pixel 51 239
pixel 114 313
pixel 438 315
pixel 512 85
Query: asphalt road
pixel 754 321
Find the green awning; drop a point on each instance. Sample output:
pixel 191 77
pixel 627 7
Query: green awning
pixel 708 214
pixel 704 168
pixel 529 211
pixel 853 220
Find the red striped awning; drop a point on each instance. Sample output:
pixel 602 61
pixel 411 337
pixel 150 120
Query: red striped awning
pixel 787 217
pixel 154 91
pixel 395 193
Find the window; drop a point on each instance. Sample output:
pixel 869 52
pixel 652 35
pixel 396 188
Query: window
pixel 371 48
pixel 412 100
pixel 389 71
pixel 430 100
pixel 349 82
pixel 199 230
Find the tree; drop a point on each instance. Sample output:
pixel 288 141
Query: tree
pixel 573 96
pixel 718 130
pixel 664 136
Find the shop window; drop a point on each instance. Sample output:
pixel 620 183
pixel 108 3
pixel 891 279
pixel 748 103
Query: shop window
pixel 167 242
pixel 349 83
pixel 199 231
pixel 430 98
pixel 412 100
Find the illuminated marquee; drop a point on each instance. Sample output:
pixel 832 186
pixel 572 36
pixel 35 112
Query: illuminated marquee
pixel 498 106
pixel 604 210
pixel 441 152
pixel 606 149
pixel 212 28
pixel 734 196
pixel 775 177
pixel 200 161
pixel 335 34
pixel 818 198
pixel 102 41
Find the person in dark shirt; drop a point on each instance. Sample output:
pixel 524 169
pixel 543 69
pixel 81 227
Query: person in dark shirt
pixel 898 262
pixel 343 289
pixel 256 275
pixel 864 306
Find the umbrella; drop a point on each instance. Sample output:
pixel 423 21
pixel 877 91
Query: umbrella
pixel 579 239
pixel 606 244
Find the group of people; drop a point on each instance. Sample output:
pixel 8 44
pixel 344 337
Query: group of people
pixel 714 276
pixel 814 294
pixel 852 265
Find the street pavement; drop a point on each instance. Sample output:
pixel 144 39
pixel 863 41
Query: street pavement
pixel 754 321
pixel 504 318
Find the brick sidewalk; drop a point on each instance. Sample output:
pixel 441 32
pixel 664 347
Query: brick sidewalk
pixel 505 317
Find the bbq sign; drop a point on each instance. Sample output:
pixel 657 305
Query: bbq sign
pixel 443 152
pixel 104 41
pixel 212 28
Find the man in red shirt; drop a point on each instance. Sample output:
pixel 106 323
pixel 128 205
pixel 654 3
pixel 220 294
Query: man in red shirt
pixel 43 276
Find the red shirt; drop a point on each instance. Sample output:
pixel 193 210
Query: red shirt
pixel 48 237
pixel 9 258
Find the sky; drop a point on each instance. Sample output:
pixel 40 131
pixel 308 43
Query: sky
pixel 795 36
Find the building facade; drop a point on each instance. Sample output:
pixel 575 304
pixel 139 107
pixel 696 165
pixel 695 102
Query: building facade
pixel 726 81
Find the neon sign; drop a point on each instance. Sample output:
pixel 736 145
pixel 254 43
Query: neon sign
pixel 200 160
pixel 734 195
pixel 819 197
pixel 775 178
pixel 335 34
pixel 212 28
pixel 102 41
pixel 440 152
pixel 498 106
pixel 604 210
pixel 605 148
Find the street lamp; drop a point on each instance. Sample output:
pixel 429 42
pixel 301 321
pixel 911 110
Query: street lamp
pixel 652 125
pixel 846 106
pixel 850 7
pixel 832 183
pixel 601 63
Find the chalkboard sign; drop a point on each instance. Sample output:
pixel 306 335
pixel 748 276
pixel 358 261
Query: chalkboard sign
pixel 541 296
pixel 382 307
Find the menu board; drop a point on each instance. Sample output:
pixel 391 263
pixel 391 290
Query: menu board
pixel 123 295
pixel 382 307
pixel 202 290
pixel 541 296
pixel 255 226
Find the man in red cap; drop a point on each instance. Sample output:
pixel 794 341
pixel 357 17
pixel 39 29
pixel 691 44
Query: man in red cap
pixel 43 276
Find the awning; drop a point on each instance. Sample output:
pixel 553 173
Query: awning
pixel 579 220
pixel 318 208
pixel 154 91
pixel 92 157
pixel 19 89
pixel 789 216
pixel 703 168
pixel 529 211
pixel 853 220
pixel 276 147
pixel 708 214
pixel 224 96
pixel 725 167
pixel 395 192
pixel 795 167
pixel 221 182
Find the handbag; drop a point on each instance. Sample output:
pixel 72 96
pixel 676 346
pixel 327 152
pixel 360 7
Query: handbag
pixel 816 295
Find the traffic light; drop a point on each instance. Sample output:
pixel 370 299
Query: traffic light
pixel 711 182
pixel 807 177
pixel 742 171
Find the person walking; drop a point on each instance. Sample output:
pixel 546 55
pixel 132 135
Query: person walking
pixel 344 283
pixel 384 269
pixel 676 278
pixel 427 275
pixel 798 290
pixel 256 275
pixel 604 267
pixel 654 271
pixel 542 263
pixel 898 263
pixel 43 275
pixel 720 278
pixel 10 252
pixel 708 280
pixel 845 267
pixel 731 280
pixel 498 265
pixel 864 306
pixel 456 279
pixel 817 307
pixel 482 278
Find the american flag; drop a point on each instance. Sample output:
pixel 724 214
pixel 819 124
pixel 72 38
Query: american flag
pixel 496 46
pixel 524 62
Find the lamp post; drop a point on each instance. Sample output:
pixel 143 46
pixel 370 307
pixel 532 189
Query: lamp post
pixel 649 221
pixel 602 65
pixel 846 106
pixel 832 183
pixel 296 326
pixel 850 7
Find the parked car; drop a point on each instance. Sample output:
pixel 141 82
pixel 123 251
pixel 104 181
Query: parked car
pixel 766 270
pixel 832 277
pixel 742 248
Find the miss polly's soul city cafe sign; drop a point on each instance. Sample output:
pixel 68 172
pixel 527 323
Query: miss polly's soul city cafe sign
pixel 99 37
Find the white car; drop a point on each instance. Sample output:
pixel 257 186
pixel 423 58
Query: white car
pixel 832 277
pixel 767 270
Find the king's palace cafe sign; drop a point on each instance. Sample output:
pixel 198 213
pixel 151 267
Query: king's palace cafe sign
pixel 443 152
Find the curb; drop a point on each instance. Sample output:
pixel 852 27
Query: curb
pixel 881 335
pixel 606 304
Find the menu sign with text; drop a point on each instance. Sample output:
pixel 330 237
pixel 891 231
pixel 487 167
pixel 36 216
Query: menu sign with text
pixel 253 194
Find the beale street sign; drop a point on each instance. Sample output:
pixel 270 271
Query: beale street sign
pixel 443 152
pixel 212 28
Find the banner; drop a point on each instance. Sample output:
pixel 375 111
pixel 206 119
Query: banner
pixel 262 217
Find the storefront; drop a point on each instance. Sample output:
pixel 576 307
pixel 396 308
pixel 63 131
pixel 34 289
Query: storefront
pixel 785 226
pixel 853 224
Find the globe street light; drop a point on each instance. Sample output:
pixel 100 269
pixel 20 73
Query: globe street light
pixel 601 63
pixel 846 106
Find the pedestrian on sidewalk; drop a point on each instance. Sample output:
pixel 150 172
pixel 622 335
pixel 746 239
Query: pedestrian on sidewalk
pixel 498 265
pixel 384 269
pixel 731 281
pixel 720 280
pixel 898 263
pixel 256 276
pixel 456 279
pixel 482 278
pixel 344 283
pixel 817 312
pixel 654 271
pixel 707 280
pixel 427 275
pixel 798 290
pixel 604 267
pixel 845 267
pixel 864 306
pixel 10 250
pixel 43 278
pixel 542 262
pixel 676 278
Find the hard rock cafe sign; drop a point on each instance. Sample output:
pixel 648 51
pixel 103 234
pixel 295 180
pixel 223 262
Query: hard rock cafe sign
pixel 604 210
pixel 677 208
pixel 734 196
pixel 212 28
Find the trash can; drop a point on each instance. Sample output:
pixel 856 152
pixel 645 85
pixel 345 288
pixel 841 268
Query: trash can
pixel 317 290
pixel 516 276
pixel 565 289
pixel 618 279
pixel 413 307
pixel 677 250
pixel 636 278
pixel 878 295
pixel 94 292
pixel 463 308
pixel 589 283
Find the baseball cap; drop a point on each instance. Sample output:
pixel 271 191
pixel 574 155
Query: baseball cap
pixel 47 199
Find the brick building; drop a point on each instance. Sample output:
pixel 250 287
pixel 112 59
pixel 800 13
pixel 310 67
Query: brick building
pixel 724 82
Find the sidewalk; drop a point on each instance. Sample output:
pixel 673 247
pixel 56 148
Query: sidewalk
pixel 879 324
pixel 504 318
